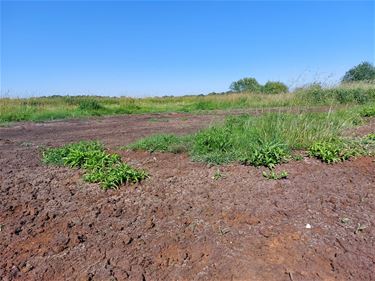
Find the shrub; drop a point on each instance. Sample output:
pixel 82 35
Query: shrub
pixel 362 72
pixel 274 88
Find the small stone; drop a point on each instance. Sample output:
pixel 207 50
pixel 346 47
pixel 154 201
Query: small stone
pixel 27 267
pixel 308 226
pixel 127 239
pixel 345 220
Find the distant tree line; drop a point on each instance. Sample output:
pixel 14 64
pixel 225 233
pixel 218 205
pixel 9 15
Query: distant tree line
pixel 250 84
pixel 364 71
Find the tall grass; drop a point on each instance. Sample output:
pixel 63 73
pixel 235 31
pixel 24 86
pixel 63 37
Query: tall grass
pixel 260 141
pixel 58 107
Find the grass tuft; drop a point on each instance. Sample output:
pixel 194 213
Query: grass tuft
pixel 162 143
pixel 101 167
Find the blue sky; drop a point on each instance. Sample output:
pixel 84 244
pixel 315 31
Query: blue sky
pixel 177 47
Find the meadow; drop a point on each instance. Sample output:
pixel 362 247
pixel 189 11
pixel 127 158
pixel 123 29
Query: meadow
pixel 61 107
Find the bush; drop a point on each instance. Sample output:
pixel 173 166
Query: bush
pixel 362 72
pixel 246 84
pixel 275 88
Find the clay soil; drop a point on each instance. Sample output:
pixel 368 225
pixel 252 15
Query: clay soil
pixel 181 223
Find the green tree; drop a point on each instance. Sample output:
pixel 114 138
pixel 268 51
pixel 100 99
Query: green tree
pixel 275 87
pixel 246 84
pixel 364 71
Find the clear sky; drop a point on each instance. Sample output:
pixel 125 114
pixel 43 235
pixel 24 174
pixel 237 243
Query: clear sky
pixel 177 47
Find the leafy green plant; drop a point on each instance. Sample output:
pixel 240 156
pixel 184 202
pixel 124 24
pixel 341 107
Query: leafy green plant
pixel 266 154
pixel 335 150
pixel 272 175
pixel 113 176
pixel 367 111
pixel 370 137
pixel 101 167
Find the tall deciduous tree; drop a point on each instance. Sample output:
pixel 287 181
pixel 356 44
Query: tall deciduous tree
pixel 246 84
pixel 362 72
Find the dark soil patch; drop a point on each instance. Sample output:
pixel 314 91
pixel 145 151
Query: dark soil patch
pixel 181 224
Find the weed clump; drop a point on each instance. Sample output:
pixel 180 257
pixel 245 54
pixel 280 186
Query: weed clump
pixel 101 167
pixel 367 111
pixel 336 150
pixel 272 175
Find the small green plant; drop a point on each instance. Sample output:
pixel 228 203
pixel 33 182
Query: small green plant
pixel 266 154
pixel 113 176
pixel 335 150
pixel 217 175
pixel 272 175
pixel 101 167
pixel 370 137
pixel 368 111
pixel 297 157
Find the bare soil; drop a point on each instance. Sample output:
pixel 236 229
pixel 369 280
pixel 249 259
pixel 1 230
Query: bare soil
pixel 181 223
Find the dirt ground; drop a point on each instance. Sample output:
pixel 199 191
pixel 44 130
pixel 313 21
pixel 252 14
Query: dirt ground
pixel 181 223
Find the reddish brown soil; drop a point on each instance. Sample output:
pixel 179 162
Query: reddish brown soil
pixel 180 224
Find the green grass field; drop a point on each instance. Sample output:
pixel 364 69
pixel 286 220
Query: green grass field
pixel 60 107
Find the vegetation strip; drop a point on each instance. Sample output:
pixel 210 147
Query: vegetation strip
pixel 59 107
pixel 100 166
pixel 269 139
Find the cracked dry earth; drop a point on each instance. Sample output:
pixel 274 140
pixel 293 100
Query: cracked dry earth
pixel 180 224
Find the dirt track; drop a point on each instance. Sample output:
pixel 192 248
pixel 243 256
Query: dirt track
pixel 181 224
